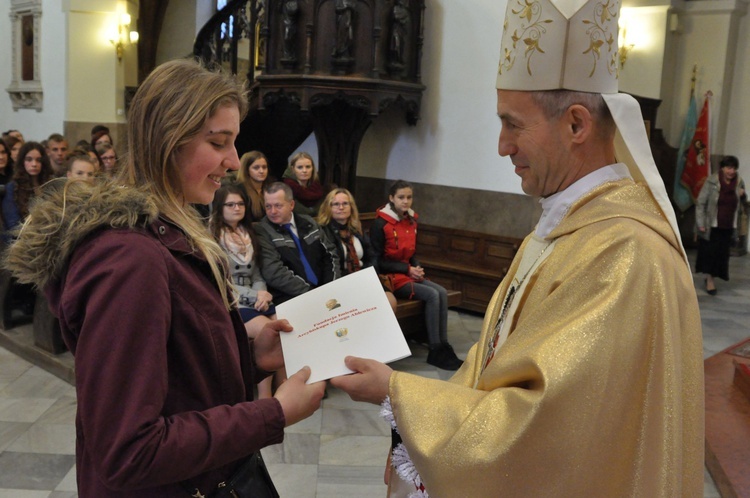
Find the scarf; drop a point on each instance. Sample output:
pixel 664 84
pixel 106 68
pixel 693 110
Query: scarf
pixel 237 242
pixel 351 261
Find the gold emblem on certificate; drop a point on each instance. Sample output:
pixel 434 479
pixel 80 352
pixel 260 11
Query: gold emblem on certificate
pixel 341 333
pixel 332 304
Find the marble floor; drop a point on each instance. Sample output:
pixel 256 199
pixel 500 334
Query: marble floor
pixel 338 452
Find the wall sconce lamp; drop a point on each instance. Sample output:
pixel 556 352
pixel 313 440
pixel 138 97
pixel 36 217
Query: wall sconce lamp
pixel 624 47
pixel 123 35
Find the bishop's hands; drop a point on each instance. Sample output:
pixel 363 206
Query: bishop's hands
pixel 369 382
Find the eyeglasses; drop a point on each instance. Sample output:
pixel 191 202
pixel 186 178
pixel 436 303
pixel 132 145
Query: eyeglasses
pixel 232 205
pixel 108 158
pixel 340 204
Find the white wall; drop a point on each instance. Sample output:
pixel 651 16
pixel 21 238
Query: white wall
pixel 646 30
pixel 455 141
pixel 706 39
pixel 37 125
pixel 738 124
pixel 96 79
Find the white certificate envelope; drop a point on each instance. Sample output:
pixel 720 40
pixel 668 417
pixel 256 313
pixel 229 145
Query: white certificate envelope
pixel 347 317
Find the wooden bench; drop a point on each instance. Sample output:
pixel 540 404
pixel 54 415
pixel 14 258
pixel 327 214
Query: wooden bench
pixel 13 310
pixel 472 263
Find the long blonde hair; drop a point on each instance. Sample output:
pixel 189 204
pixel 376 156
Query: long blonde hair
pixel 297 157
pixel 325 213
pixel 168 111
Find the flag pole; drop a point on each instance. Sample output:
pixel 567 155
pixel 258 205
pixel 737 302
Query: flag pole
pixel 692 81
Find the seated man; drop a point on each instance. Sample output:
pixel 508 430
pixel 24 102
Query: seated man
pixel 57 150
pixel 296 256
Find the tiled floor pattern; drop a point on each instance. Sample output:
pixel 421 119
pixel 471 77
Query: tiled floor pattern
pixel 338 452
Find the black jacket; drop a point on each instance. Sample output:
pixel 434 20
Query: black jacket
pixel 281 265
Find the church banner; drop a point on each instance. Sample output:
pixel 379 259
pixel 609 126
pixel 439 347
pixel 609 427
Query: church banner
pixel 682 198
pixel 697 162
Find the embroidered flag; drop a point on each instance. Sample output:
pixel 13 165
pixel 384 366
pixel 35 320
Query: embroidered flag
pixel 697 163
pixel 682 198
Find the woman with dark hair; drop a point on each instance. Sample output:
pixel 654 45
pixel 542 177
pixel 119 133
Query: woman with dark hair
pixel 719 203
pixel 394 238
pixel 31 171
pixel 253 176
pixel 232 228
pixel 6 164
pixel 14 144
pixel 164 370
pixel 100 137
pixel 339 219
pixel 302 178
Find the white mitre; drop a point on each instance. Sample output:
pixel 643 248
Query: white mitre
pixel 572 45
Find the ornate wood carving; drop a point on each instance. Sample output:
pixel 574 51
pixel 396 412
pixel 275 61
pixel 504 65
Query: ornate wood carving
pixel 342 62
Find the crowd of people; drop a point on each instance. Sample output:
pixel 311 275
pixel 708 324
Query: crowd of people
pixel 26 165
pixel 281 238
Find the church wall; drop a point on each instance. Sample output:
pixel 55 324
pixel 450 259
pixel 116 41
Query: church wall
pixel 738 123
pixel 646 29
pixel 713 36
pixel 37 125
pixel 178 31
pixel 455 142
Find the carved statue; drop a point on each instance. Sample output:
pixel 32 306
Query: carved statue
pixel 260 42
pixel 399 32
pixel 290 11
pixel 344 31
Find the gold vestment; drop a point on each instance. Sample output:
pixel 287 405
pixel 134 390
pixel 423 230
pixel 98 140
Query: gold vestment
pixel 598 390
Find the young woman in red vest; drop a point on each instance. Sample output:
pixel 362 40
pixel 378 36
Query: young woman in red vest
pixel 393 236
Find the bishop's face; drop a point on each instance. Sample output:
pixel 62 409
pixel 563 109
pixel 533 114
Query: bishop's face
pixel 532 141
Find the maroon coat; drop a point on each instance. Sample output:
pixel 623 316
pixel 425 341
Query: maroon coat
pixel 309 196
pixel 161 381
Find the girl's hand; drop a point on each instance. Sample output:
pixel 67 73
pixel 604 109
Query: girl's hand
pixel 299 400
pixel 263 300
pixel 267 345
pixel 416 273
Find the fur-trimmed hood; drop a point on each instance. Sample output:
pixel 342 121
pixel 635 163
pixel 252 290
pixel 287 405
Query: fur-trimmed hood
pixel 62 215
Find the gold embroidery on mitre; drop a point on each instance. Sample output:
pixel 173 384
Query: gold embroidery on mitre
pixel 600 31
pixel 531 31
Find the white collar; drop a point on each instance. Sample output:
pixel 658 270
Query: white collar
pixel 556 206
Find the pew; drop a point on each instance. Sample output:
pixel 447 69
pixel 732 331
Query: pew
pixel 15 309
pixel 471 263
